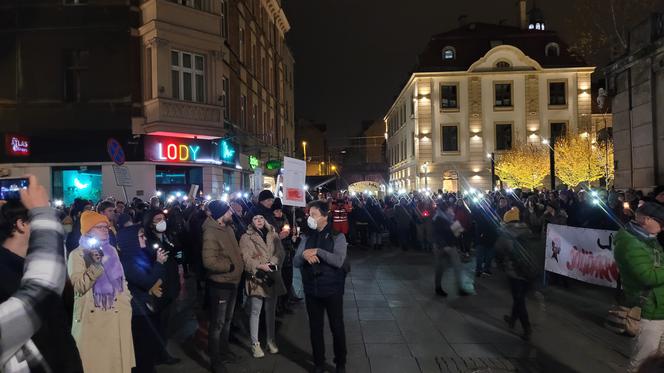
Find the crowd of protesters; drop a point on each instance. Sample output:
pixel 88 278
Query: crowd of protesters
pixel 126 264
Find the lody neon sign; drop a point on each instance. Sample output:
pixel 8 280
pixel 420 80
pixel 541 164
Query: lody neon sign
pixel 177 152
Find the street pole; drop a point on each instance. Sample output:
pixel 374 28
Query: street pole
pixel 552 166
pixel 492 157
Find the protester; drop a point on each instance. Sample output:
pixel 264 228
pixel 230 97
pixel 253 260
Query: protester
pixel 33 330
pixel 263 208
pixel 516 248
pixel 102 309
pixel 144 281
pixel 321 257
pixel 261 248
pixel 283 227
pixel 639 259
pixel 107 208
pixel 446 233
pixel 223 261
pixel 160 237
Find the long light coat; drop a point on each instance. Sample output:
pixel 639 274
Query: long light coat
pixel 255 252
pixel 103 338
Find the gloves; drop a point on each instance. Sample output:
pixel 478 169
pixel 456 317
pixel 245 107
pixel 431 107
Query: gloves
pixel 156 289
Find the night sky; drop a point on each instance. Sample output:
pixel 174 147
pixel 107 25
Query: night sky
pixel 353 56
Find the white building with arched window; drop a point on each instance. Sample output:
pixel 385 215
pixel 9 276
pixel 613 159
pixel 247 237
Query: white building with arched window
pixel 482 89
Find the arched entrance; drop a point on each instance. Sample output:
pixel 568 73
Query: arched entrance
pixel 450 181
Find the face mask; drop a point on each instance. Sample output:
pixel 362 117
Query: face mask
pixel 161 226
pixel 311 222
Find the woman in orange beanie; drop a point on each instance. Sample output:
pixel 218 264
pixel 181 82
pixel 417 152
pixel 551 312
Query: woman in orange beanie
pixel 102 303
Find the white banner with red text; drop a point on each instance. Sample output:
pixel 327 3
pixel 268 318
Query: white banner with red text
pixel 582 254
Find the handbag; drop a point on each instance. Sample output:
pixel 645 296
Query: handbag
pixel 624 320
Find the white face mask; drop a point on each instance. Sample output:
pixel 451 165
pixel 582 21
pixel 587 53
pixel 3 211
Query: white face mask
pixel 161 226
pixel 311 222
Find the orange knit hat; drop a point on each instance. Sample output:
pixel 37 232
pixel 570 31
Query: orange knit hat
pixel 89 219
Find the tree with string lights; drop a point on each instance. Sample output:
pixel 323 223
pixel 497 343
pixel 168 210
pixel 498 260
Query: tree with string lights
pixel 524 166
pixel 579 159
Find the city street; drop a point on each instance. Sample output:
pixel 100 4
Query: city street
pixel 395 323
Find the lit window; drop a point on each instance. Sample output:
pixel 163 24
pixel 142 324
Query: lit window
pixel 449 53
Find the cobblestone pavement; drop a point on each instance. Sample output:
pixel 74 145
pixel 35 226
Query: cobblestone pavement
pixel 395 323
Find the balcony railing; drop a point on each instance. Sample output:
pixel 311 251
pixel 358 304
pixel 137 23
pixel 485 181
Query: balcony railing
pixel 167 115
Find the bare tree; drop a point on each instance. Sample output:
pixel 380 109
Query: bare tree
pixel 601 27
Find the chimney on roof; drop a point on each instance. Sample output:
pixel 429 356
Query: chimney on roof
pixel 523 14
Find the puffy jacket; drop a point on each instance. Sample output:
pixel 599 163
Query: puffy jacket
pixel 328 277
pixel 222 257
pixel 640 259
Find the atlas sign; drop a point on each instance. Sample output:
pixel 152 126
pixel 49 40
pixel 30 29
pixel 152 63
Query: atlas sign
pixel 17 145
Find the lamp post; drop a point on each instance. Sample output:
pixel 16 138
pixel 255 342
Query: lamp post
pixel 552 163
pixel 426 175
pixel 304 150
pixel 492 159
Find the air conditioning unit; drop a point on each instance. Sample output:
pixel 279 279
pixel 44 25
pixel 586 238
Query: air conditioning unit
pixel 4 172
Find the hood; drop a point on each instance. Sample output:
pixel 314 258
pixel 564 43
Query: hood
pixel 127 239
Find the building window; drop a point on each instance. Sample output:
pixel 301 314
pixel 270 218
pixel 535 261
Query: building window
pixel 503 65
pixel 224 19
pixel 557 93
pixel 241 33
pixel 412 144
pixel 449 53
pixel 74 2
pixel 449 96
pixel 243 111
pixel 552 50
pixel 76 65
pixel 503 94
pixel 197 4
pixel 450 138
pixel 254 119
pixel 225 102
pixel 503 136
pixel 188 76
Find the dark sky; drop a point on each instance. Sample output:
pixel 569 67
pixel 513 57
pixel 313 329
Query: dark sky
pixel 352 56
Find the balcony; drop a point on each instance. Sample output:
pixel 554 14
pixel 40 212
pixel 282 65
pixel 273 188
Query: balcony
pixel 172 17
pixel 182 119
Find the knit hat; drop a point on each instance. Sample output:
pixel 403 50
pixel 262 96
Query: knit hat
pixel 89 219
pixel 511 215
pixel 265 194
pixel 653 210
pixel 217 208
pixel 277 205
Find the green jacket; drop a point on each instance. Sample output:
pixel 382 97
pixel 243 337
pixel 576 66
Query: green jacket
pixel 639 260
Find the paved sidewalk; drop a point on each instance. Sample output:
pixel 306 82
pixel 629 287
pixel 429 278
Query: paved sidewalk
pixel 395 323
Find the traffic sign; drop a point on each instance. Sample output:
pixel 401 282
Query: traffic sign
pixel 115 151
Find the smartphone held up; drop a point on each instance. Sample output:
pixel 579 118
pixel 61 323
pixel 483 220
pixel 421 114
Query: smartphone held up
pixel 10 188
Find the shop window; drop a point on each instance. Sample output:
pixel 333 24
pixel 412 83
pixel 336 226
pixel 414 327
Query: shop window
pixel 173 179
pixel 79 182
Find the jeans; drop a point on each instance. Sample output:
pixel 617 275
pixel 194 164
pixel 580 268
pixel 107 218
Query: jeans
pixel 270 311
pixel 443 254
pixel 519 290
pixel 222 307
pixel 484 258
pixel 316 308
pixel 648 342
pixel 146 342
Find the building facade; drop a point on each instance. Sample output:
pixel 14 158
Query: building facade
pixel 195 91
pixel 478 91
pixel 636 85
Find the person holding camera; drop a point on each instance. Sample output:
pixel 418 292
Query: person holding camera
pixel 262 252
pixel 102 302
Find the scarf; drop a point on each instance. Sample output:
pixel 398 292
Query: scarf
pixel 111 282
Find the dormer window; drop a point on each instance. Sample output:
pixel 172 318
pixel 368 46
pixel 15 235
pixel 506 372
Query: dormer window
pixel 503 65
pixel 552 50
pixel 449 53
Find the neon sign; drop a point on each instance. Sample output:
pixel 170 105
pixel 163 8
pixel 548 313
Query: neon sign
pixel 177 152
pixel 254 162
pixel 17 146
pixel 227 152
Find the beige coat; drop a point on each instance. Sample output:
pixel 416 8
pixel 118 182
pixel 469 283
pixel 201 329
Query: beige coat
pixel 103 338
pixel 255 251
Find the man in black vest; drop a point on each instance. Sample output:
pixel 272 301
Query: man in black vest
pixel 321 257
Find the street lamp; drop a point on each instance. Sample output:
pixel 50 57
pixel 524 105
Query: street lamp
pixel 304 150
pixel 552 162
pixel 492 157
